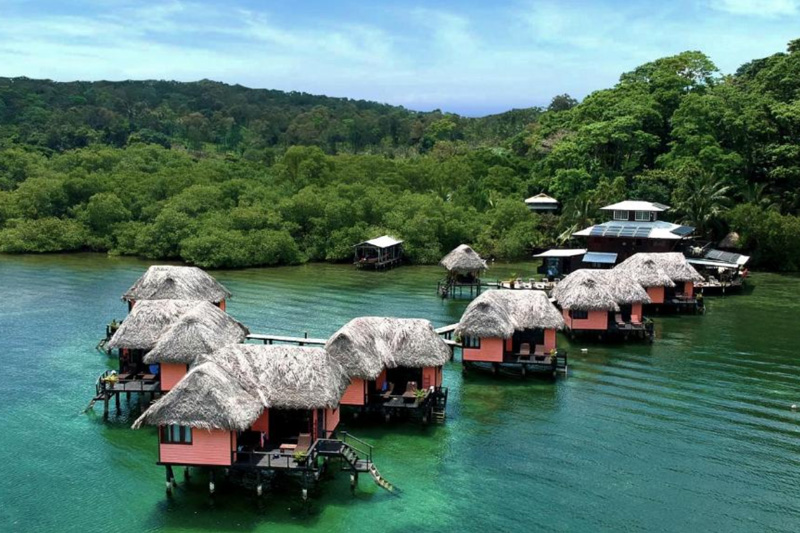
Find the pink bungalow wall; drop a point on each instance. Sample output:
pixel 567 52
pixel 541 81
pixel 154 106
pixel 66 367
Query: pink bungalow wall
pixel 549 342
pixel 656 294
pixel 597 320
pixel 355 394
pixel 331 420
pixel 171 374
pixel 491 350
pixel 431 377
pixel 208 447
pixel 636 312
pixel 688 288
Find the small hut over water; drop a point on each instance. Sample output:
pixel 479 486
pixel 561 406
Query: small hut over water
pixel 199 331
pixel 168 282
pixel 464 268
pixel 383 252
pixel 395 366
pixel 511 329
pixel 607 303
pixel 258 409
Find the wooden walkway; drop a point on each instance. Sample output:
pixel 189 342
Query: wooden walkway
pixel 301 341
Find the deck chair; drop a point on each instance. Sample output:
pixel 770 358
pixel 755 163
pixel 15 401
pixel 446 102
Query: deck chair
pixel 618 319
pixel 524 350
pixel 411 390
pixel 389 390
pixel 636 321
pixel 303 442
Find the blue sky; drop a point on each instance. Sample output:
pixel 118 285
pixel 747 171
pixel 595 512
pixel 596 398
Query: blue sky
pixel 472 57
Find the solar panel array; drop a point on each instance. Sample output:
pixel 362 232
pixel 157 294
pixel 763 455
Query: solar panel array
pixel 615 230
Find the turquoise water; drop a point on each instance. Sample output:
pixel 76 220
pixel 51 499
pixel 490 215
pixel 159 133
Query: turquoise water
pixel 693 433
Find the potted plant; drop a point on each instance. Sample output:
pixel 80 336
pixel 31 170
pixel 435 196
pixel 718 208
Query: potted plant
pixel 300 457
pixel 419 395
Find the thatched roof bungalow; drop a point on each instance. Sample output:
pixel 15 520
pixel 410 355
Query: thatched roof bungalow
pixel 199 331
pixel 464 262
pixel 168 282
pixel 644 268
pixel 603 301
pixel 248 397
pixel 388 355
pixel 509 327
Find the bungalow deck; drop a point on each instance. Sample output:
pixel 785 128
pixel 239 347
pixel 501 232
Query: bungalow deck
pixel 524 364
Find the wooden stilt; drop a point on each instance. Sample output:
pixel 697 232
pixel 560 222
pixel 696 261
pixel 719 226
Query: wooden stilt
pixel 105 405
pixel 116 402
pixel 211 486
pixel 169 481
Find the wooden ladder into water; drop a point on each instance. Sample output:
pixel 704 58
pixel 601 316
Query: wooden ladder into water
pixel 365 465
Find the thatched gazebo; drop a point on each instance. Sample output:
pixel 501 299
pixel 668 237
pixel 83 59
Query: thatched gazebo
pixel 388 357
pixel 199 331
pixel 167 282
pixel 512 328
pixel 464 263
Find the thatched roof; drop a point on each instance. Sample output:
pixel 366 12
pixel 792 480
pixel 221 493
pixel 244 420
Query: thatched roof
pixel 147 320
pixel 367 345
pixel 464 260
pixel 585 290
pixel 500 313
pixel 167 282
pixel 645 270
pixel 284 376
pixel 201 330
pixel 623 287
pixel 231 387
pixel 676 266
pixel 207 397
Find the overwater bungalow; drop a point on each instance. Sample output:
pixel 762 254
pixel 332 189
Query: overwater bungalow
pixel 722 271
pixel 603 303
pixel 464 268
pixel 645 270
pixel 258 410
pixel 394 365
pixel 134 338
pixel 168 282
pixel 514 330
pixel 679 296
pixel 383 252
pixel 197 332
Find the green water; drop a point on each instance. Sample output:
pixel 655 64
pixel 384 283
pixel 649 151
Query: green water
pixel 693 433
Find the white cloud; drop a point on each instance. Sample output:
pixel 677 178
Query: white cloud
pixel 760 8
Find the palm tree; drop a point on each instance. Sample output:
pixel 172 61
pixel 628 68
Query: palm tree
pixel 705 200
pixel 755 193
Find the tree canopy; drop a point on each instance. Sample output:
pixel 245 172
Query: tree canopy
pixel 225 176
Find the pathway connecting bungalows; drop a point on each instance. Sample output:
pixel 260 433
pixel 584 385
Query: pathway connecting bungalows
pixel 259 410
pixel 395 367
pixel 514 330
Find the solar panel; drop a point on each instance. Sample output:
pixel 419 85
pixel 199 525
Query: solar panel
pixel 597 230
pixel 642 232
pixel 719 255
pixel 683 230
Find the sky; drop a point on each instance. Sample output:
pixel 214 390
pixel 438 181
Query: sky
pixel 472 57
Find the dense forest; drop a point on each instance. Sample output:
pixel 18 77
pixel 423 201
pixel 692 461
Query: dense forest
pixel 225 176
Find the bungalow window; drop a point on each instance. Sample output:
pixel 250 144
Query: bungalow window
pixel 620 215
pixel 472 342
pixel 577 314
pixel 643 216
pixel 176 435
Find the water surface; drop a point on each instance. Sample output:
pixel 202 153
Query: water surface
pixel 692 433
